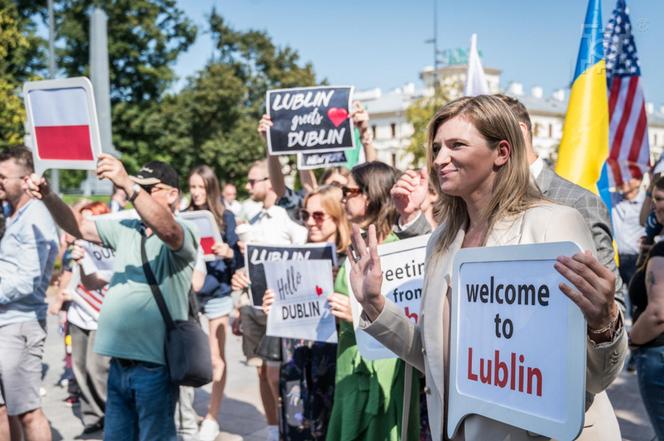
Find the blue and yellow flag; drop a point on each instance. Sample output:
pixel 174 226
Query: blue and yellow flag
pixel 584 147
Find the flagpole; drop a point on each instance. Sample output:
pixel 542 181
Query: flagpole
pixel 55 173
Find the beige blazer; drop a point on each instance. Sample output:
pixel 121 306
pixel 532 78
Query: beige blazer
pixel 421 345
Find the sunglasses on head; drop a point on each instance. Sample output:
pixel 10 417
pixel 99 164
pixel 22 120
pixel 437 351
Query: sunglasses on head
pixel 350 192
pixel 318 216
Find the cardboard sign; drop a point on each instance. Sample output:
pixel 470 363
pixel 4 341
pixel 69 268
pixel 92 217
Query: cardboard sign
pixel 309 120
pixel 518 344
pixel 256 254
pixel 207 229
pixel 62 121
pixel 97 259
pixel 300 309
pixel 310 161
pixel 402 263
pixel 90 300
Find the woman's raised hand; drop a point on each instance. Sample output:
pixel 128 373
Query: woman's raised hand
pixel 366 276
pixel 593 288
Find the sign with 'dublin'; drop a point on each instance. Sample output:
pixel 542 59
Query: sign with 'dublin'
pixel 309 120
pixel 518 344
pixel 300 308
pixel 402 263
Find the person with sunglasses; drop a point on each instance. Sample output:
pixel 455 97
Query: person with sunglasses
pixel 307 376
pixel 357 413
pixel 271 226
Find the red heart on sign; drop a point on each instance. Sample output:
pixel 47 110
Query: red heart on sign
pixel 319 291
pixel 337 115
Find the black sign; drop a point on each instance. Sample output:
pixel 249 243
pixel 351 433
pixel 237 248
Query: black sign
pixel 257 254
pixel 309 119
pixel 306 161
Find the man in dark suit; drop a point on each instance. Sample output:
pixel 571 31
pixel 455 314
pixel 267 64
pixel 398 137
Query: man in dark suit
pixel 564 192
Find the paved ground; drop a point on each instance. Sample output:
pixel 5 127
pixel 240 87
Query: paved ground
pixel 241 415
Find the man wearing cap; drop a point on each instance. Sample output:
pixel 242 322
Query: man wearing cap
pixel 141 398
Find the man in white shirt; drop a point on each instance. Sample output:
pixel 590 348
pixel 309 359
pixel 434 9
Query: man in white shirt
pixel 271 226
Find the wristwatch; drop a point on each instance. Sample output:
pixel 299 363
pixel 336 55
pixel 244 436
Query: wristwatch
pixel 135 190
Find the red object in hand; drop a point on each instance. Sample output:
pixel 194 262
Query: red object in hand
pixel 206 244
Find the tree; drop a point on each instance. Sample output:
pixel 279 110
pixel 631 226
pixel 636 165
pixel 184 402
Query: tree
pixel 419 114
pixel 21 58
pixel 213 119
pixel 145 38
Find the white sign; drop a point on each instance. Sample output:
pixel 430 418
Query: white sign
pixel 207 229
pixel 402 263
pixel 97 259
pixel 300 308
pixel 62 120
pixel 518 344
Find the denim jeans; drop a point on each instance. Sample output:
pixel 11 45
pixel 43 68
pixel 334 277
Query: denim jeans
pixel 650 369
pixel 141 403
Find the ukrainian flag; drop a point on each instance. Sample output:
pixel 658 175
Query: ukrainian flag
pixel 584 147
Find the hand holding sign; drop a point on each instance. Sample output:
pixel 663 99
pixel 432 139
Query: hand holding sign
pixel 594 293
pixel 37 186
pixel 340 307
pixel 111 168
pixel 264 125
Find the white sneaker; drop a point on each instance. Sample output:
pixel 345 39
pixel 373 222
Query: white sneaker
pixel 209 430
pixel 272 433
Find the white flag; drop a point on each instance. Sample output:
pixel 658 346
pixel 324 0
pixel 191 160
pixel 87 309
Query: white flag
pixel 476 83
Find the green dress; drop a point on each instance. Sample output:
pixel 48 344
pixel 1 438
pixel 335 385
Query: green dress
pixel 368 396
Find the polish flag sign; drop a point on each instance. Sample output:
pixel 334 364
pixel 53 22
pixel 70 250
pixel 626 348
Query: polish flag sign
pixel 63 123
pixel 207 229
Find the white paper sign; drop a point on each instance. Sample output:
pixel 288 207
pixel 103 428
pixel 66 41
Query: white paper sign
pixel 518 344
pixel 402 263
pixel 207 229
pixel 300 308
pixel 62 120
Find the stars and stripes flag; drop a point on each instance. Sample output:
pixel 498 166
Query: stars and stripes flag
pixel 629 150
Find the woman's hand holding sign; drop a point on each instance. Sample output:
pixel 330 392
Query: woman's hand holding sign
pixel 366 276
pixel 593 292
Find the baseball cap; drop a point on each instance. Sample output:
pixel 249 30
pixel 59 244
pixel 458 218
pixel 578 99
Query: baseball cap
pixel 156 172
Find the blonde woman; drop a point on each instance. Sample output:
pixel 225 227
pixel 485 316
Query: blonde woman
pixel 477 163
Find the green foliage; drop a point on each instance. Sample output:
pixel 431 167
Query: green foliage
pixel 419 113
pixel 20 58
pixel 145 38
pixel 213 119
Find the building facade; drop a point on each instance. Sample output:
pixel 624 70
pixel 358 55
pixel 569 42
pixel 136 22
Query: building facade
pixel 392 131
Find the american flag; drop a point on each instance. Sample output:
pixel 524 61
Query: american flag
pixel 629 149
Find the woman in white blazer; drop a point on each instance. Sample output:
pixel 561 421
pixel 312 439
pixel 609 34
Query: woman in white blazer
pixel 477 164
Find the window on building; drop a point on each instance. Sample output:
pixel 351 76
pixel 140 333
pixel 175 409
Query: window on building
pixel 550 130
pixel 537 129
pixel 373 130
pixel 654 139
pixel 393 129
pixel 394 159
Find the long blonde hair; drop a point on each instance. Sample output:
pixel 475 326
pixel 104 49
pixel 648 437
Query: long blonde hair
pixel 331 201
pixel 513 191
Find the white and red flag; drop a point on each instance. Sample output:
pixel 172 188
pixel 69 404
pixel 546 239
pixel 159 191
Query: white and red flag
pixel 63 123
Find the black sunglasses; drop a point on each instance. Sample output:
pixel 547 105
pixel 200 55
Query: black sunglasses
pixel 253 182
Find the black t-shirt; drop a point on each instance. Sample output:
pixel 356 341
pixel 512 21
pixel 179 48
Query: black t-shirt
pixel 638 295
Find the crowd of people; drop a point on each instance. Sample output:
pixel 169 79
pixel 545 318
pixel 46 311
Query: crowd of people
pixel 483 185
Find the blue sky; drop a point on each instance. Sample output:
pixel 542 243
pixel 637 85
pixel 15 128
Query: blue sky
pixel 370 43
